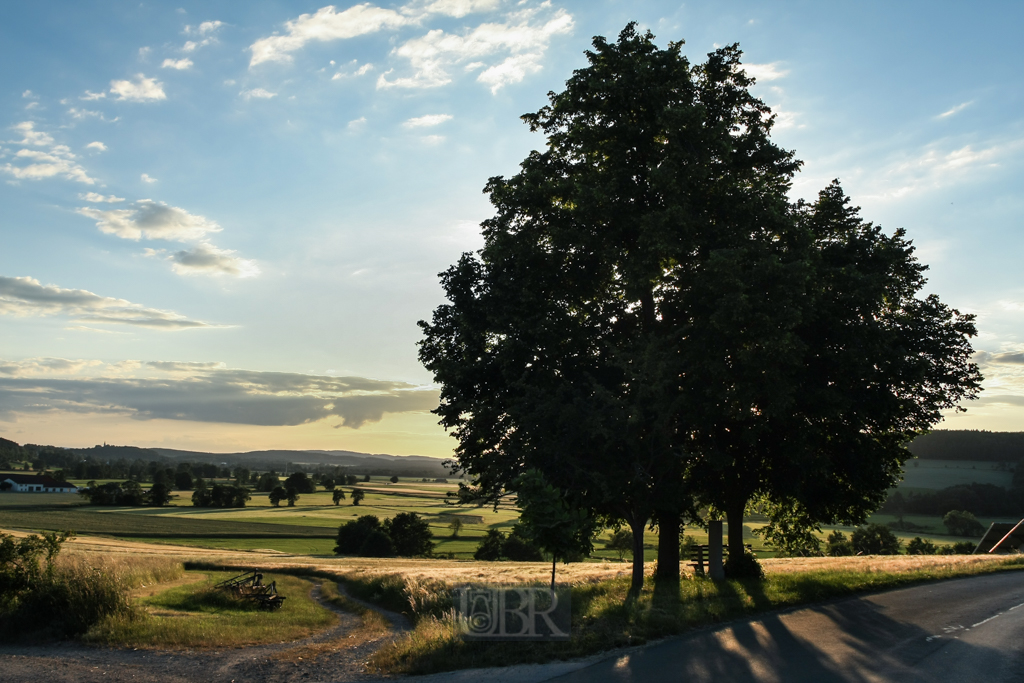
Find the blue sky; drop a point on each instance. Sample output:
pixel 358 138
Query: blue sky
pixel 222 220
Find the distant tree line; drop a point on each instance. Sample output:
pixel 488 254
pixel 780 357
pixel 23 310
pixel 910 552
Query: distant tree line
pixel 964 444
pixel 987 500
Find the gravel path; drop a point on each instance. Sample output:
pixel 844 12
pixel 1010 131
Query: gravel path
pixel 322 657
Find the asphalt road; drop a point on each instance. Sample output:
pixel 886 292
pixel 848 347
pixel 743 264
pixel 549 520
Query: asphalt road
pixel 961 630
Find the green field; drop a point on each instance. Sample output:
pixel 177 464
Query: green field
pixel 309 527
pixel 920 475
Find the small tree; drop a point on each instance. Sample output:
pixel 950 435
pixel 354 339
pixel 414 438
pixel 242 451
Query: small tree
pixel 268 481
pixel 621 542
pixel 489 549
pixel 159 495
pixel 962 523
pixel 277 495
pixel 409 534
pixel 357 496
pixel 393 479
pixel 455 525
pixel 183 481
pixel 366 477
pixel 919 546
pixel 327 483
pixel 300 482
pixel 292 495
pixel 549 522
pixel 837 545
pixel 875 539
pixel 338 496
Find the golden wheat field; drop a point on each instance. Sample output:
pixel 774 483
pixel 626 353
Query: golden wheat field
pixel 117 552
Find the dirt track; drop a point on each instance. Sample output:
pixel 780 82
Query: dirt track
pixel 337 654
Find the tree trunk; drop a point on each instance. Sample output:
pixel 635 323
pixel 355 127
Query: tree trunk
pixel 637 525
pixel 668 547
pixel 734 517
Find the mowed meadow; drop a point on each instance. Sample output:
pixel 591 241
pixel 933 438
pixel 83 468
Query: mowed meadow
pixel 310 527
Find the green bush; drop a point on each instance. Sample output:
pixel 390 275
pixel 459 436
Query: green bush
pixel 962 523
pixel 409 534
pixel 919 546
pixel 37 597
pixel 875 539
pixel 744 566
pixel 837 545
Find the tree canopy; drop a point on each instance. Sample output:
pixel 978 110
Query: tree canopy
pixel 655 327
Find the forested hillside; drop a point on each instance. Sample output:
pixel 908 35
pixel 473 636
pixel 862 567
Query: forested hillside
pixel 962 444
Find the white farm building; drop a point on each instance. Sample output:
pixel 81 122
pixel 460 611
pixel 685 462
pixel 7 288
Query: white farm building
pixel 35 483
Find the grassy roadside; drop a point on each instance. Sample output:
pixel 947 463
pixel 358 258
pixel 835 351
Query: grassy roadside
pixel 195 615
pixel 603 619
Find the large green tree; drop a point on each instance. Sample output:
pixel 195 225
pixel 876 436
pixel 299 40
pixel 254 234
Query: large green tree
pixel 555 352
pixel 806 381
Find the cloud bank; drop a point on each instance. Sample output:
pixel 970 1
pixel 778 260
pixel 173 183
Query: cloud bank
pixel 26 296
pixel 204 392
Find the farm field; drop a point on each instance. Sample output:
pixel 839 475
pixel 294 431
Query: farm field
pixel 919 475
pixel 310 526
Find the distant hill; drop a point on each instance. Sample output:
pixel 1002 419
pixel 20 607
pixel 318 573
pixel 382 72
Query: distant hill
pixel 361 463
pixel 974 445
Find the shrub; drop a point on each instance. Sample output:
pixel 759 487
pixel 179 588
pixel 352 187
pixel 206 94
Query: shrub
pixel 489 549
pixel 409 534
pixel 875 539
pixel 352 535
pixel 622 543
pixel 515 547
pixel 221 496
pixel 37 596
pixel 277 495
pixel 377 544
pixel 743 566
pixel 300 482
pixel 837 545
pixel 919 546
pixel 958 548
pixel 962 523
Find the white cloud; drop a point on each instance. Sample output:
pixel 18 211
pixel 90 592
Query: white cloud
pixel 144 53
pixel 765 72
pixel 142 89
pixel 29 95
pixel 31 136
pixel 427 121
pixel 955 110
pixel 432 139
pixel 524 37
pixel 37 164
pixel 179 64
pixel 202 392
pixel 97 145
pixel 205 28
pixel 148 179
pixel 357 123
pixel 326 25
pixel 33 367
pixel 206 259
pixel 25 296
pixel 455 8
pixel 935 167
pixel 257 93
pixel 77 113
pixel 89 96
pixel 151 220
pixel 360 71
pixel 97 198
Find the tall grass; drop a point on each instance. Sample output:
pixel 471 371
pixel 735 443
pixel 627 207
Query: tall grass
pixel 197 615
pixel 604 617
pixel 77 592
